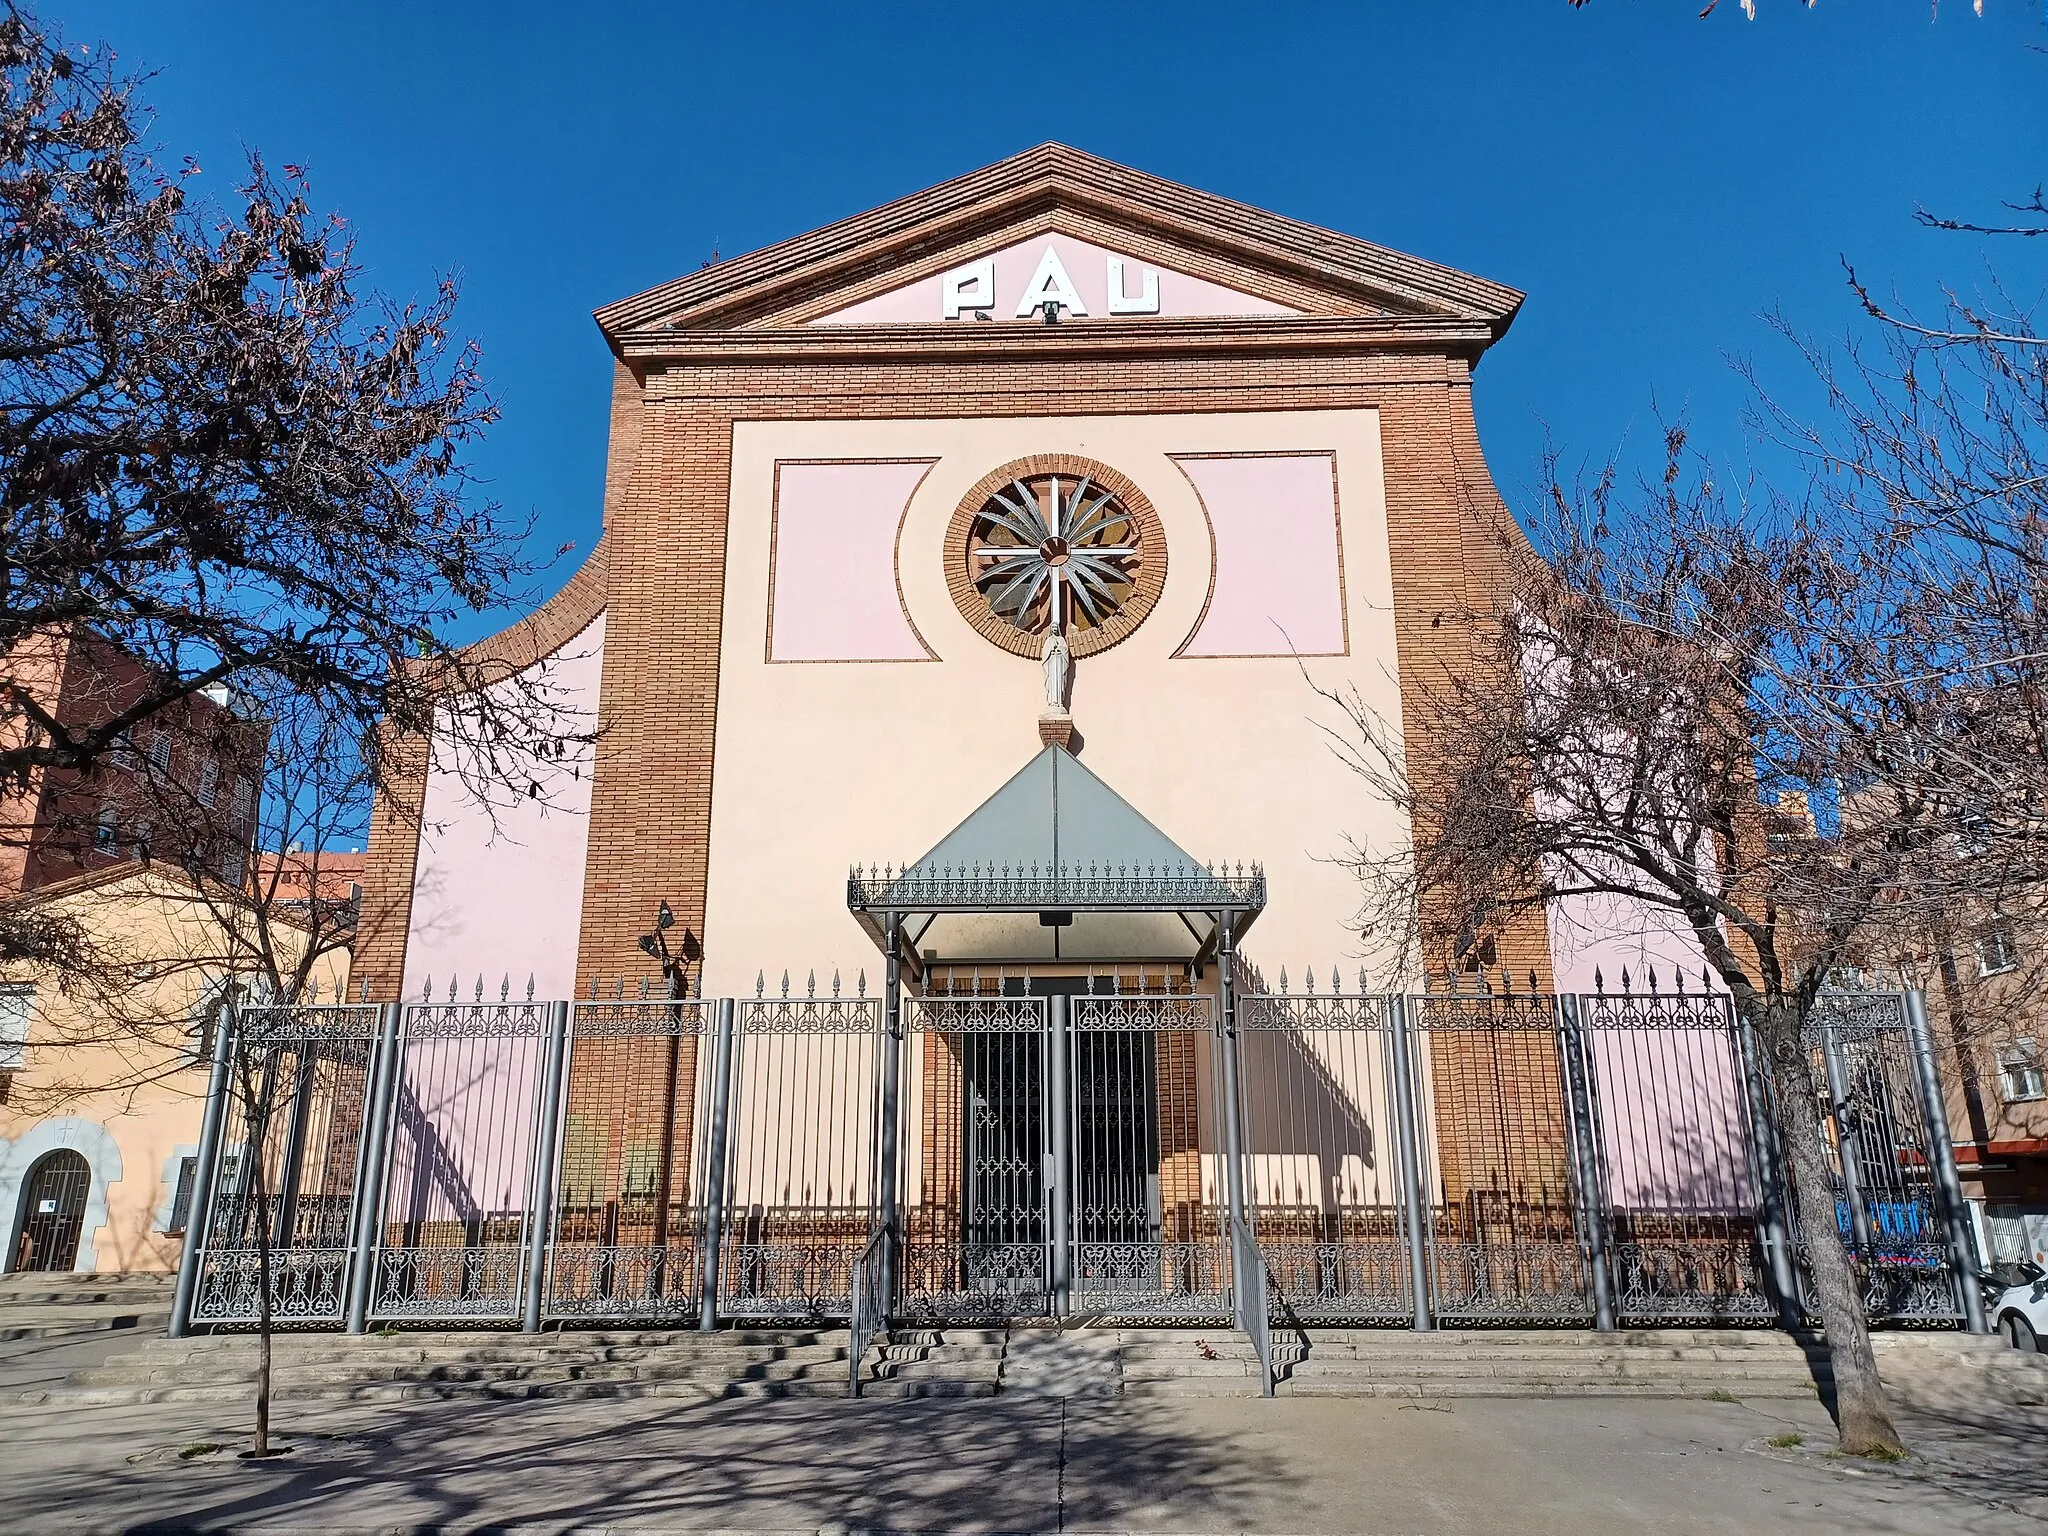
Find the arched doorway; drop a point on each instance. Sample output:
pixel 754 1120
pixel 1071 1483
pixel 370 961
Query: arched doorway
pixel 52 1214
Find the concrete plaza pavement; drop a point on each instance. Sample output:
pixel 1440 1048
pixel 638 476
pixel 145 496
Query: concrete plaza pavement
pixel 1531 1466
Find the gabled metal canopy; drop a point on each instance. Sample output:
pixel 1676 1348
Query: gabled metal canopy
pixel 1056 865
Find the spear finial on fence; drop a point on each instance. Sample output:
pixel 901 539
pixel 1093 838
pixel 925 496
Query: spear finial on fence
pixel 505 988
pixel 861 985
pixel 451 989
pixel 313 990
pixel 785 981
pixel 1653 980
pixel 835 981
pixel 1706 980
pixel 643 988
pixel 479 986
pixel 1283 981
pixel 760 984
pixel 1363 987
pixel 618 987
pixel 811 984
pixel 529 986
pixel 1624 981
pixel 366 991
pixel 1534 988
pixel 1599 981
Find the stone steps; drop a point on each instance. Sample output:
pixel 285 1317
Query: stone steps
pixel 1045 1362
pixel 36 1306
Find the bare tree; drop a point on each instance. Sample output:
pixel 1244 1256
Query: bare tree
pixel 218 455
pixel 1675 659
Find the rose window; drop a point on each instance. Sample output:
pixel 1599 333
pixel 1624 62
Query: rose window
pixel 1055 551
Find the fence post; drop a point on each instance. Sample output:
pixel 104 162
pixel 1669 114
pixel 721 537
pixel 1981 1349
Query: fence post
pixel 1414 1207
pixel 1233 1126
pixel 382 1089
pixel 714 1171
pixel 1057 1131
pixel 1941 1161
pixel 199 1207
pixel 1848 1140
pixel 892 1057
pixel 1586 1161
pixel 541 1216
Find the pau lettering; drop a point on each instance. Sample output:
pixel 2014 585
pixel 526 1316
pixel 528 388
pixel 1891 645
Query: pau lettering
pixel 972 288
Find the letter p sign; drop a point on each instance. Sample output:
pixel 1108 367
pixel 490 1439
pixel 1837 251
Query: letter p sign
pixel 968 288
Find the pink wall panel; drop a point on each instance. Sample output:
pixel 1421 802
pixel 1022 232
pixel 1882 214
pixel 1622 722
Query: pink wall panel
pixel 834 592
pixel 495 881
pixel 1279 586
pixel 1087 267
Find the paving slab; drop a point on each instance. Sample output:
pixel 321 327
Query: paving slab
pixel 1353 1467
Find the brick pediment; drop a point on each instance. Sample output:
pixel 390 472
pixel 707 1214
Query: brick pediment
pixel 1055 223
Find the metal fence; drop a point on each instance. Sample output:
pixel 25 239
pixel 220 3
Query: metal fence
pixel 1115 1147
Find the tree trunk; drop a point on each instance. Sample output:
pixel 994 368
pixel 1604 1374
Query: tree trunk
pixel 1862 1416
pixel 256 1115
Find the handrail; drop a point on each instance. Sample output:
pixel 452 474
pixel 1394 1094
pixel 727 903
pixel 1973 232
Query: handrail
pixel 1251 1302
pixel 869 1312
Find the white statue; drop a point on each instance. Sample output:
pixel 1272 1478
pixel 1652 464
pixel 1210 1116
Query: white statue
pixel 1058 662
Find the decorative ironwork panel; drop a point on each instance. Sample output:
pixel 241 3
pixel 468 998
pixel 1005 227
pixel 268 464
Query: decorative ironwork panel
pixel 480 1280
pixel 1657 1010
pixel 1145 1012
pixel 1271 1011
pixel 811 1016
pixel 308 1286
pixel 1526 1280
pixel 617 1282
pixel 1691 1278
pixel 476 1021
pixel 1159 1281
pixel 640 1019
pixel 1060 887
pixel 1363 1280
pixel 1466 1011
pixel 979 1015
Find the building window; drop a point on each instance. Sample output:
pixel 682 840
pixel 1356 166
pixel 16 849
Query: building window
pixel 160 752
pixel 17 1002
pixel 106 831
pixel 245 797
pixel 209 782
pixel 124 754
pixel 231 867
pixel 2019 1072
pixel 181 1197
pixel 1996 952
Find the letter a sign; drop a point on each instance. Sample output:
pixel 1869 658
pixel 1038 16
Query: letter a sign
pixel 1050 285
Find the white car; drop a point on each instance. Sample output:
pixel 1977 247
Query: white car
pixel 2020 1312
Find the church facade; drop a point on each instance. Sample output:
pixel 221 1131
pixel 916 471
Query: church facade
pixel 931 904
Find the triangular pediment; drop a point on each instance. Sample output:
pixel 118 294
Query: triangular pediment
pixel 1207 256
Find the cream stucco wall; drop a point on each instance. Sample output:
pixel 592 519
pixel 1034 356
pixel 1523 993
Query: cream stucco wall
pixel 109 1070
pixel 822 764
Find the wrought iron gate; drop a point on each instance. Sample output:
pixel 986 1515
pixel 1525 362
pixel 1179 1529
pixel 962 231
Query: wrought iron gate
pixel 460 1176
pixel 295 1164
pixel 628 1212
pixel 1322 1119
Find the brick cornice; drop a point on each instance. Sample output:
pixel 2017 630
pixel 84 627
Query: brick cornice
pixel 1075 340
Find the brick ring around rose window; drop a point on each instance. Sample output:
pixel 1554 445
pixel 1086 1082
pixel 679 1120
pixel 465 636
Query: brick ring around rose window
pixel 1050 535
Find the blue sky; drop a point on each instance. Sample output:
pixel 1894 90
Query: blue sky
pixel 1653 181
